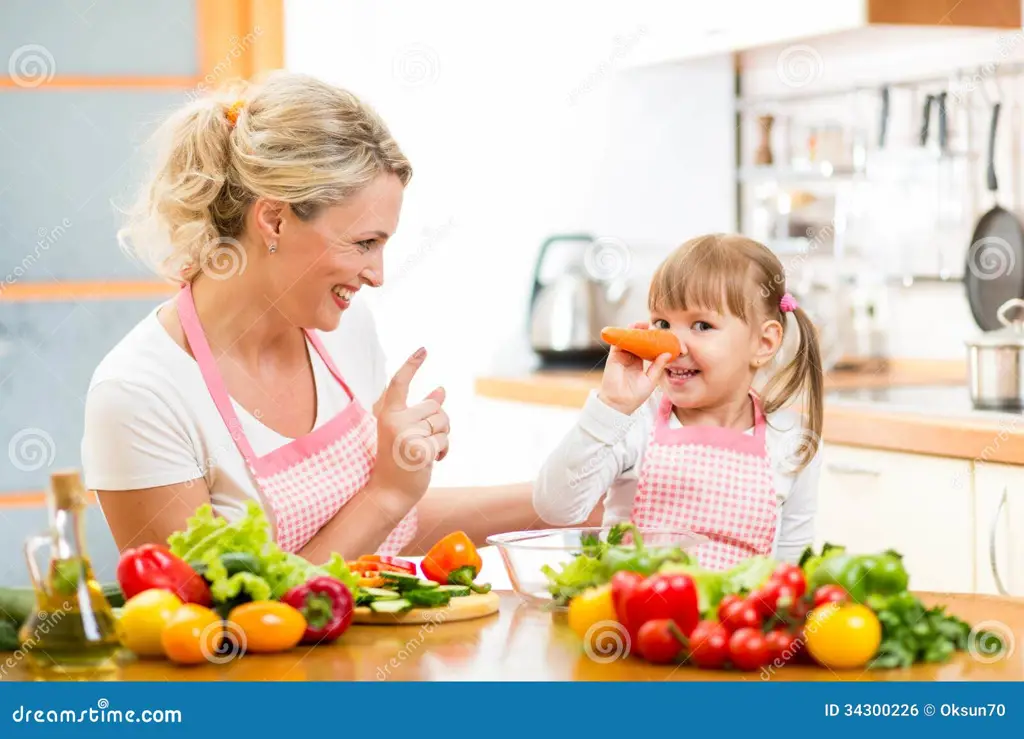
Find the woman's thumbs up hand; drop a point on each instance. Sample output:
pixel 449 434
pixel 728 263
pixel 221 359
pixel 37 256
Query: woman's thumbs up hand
pixel 409 438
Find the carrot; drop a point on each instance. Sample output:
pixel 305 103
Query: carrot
pixel 646 343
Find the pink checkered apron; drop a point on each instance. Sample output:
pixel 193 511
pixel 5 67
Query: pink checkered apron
pixel 712 481
pixel 304 483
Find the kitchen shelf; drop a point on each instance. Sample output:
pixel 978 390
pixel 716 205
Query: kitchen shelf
pixel 822 173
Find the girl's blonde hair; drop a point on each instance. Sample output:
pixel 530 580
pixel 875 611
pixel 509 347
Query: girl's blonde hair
pixel 291 138
pixel 751 280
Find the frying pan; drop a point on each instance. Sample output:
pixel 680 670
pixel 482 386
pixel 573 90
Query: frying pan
pixel 994 271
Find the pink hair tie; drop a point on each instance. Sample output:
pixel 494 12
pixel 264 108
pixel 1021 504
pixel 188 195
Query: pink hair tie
pixel 787 304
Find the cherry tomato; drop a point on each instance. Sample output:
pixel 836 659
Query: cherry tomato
pixel 799 609
pixel 740 615
pixel 709 645
pixel 765 598
pixel 830 594
pixel 658 641
pixel 782 646
pixel 792 576
pixel 268 625
pixel 748 649
pixel 725 603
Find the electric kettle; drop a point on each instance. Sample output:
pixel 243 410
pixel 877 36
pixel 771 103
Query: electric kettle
pixel 568 312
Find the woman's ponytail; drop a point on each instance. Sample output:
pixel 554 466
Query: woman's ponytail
pixel 802 376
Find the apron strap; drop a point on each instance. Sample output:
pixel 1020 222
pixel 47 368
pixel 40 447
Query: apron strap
pixel 208 367
pixel 314 339
pixel 760 424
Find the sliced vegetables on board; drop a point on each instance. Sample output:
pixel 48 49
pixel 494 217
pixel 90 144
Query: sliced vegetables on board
pixel 454 560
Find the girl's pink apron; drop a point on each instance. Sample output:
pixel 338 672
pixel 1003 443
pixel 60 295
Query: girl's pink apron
pixel 306 482
pixel 712 481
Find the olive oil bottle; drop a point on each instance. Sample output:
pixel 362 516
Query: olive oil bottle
pixel 73 628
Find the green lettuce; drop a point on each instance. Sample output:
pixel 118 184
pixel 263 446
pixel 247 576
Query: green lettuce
pixel 713 585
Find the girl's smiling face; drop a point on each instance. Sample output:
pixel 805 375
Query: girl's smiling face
pixel 718 360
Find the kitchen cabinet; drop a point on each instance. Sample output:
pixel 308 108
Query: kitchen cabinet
pixel 999 516
pixel 921 506
pixel 679 31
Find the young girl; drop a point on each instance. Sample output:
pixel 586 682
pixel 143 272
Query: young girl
pixel 687 443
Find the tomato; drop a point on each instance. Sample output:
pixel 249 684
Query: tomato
pixel 740 615
pixel 799 610
pixel 748 649
pixel 782 646
pixel 591 607
pixel 765 598
pixel 842 636
pixel 142 621
pixel 393 564
pixel 193 635
pixel 830 594
pixel 709 645
pixel 792 576
pixel 268 625
pixel 658 641
pixel 724 604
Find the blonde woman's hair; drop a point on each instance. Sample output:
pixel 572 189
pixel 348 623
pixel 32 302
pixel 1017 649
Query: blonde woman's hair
pixel 706 270
pixel 295 140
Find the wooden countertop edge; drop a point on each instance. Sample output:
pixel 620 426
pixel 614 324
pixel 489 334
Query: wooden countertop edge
pixel 854 425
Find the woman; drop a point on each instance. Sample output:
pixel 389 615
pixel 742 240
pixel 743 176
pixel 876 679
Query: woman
pixel 256 381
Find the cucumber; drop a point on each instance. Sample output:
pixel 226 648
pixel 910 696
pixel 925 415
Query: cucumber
pixel 432 598
pixel 457 591
pixel 403 580
pixel 112 592
pixel 234 562
pixel 380 593
pixel 427 585
pixel 395 605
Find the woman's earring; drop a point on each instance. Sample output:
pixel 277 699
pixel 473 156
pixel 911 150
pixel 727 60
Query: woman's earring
pixel 273 247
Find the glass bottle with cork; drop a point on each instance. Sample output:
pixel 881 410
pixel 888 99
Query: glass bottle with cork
pixel 73 627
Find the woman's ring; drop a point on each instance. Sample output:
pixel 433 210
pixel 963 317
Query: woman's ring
pixel 432 432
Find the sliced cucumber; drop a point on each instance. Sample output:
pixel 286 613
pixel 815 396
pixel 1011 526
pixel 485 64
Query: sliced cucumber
pixel 380 593
pixel 401 578
pixel 457 591
pixel 395 605
pixel 427 585
pixel 430 598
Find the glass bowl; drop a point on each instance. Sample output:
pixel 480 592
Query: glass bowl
pixel 525 553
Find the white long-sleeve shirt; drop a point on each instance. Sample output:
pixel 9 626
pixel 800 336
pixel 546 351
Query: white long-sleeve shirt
pixel 603 453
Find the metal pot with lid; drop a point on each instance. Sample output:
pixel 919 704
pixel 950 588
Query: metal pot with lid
pixel 996 362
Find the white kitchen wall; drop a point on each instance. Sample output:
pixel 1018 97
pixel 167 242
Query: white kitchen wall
pixel 518 125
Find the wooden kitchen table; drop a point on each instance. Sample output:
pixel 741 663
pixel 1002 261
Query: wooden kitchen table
pixel 523 643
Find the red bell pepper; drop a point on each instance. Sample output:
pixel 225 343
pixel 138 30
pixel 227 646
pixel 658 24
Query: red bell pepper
pixel 662 595
pixel 454 561
pixel 624 584
pixel 152 566
pixel 327 606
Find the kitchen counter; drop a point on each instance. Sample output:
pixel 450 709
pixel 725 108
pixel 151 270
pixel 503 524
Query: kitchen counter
pixel 913 406
pixel 523 643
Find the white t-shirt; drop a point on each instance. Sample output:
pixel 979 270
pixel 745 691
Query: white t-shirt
pixel 602 454
pixel 150 420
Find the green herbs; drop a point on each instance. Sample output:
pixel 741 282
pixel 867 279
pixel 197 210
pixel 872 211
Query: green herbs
pixel 598 560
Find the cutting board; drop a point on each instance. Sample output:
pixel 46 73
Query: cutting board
pixel 465 608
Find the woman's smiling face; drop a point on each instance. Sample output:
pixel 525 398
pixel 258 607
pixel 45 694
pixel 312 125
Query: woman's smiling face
pixel 320 264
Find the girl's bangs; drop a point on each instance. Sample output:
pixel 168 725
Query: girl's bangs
pixel 702 275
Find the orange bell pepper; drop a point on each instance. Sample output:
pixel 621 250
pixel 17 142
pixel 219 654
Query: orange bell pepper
pixel 454 561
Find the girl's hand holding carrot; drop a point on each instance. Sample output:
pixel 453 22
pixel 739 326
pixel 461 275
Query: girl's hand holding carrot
pixel 625 385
